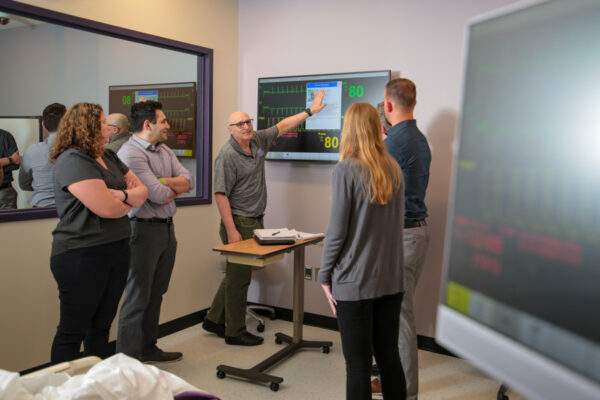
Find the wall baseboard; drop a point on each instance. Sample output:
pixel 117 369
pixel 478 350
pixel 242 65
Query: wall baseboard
pixel 164 329
pixel 320 321
pixel 426 343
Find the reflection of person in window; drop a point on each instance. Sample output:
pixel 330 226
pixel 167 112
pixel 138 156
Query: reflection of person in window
pixel 94 191
pixel 362 273
pixel 119 131
pixel 10 159
pixel 35 173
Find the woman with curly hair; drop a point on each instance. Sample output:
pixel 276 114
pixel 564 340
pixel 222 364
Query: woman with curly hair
pixel 94 192
pixel 363 271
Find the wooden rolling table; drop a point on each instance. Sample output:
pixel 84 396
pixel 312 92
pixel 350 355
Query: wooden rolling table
pixel 249 252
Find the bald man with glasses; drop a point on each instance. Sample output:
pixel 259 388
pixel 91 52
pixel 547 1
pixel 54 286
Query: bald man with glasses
pixel 119 131
pixel 241 196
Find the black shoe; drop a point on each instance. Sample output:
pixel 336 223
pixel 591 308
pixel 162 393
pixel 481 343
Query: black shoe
pixel 245 339
pixel 161 356
pixel 212 327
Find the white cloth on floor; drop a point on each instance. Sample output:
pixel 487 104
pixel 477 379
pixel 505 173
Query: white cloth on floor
pixel 117 378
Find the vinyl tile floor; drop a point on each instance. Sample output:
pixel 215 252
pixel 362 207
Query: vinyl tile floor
pixel 309 374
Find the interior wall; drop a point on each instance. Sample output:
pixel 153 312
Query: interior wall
pixel 422 41
pixel 29 306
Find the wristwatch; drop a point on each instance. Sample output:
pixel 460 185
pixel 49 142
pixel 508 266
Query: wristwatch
pixel 11 161
pixel 308 112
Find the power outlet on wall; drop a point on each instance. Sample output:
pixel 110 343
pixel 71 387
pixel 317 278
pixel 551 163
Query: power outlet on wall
pixel 308 272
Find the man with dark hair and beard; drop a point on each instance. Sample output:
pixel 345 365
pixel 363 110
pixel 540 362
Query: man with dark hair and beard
pixel 153 242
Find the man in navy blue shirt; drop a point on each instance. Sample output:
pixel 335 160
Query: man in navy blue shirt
pixel 409 147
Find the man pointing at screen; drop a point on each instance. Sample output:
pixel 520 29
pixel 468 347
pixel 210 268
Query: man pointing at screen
pixel 241 196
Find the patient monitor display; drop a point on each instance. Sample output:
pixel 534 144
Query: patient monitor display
pixel 521 294
pixel 178 101
pixel 318 138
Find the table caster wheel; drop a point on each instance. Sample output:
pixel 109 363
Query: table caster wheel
pixel 220 374
pixel 278 341
pixel 260 328
pixel 274 387
pixel 325 349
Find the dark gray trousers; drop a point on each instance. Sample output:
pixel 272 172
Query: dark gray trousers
pixel 8 198
pixel 153 248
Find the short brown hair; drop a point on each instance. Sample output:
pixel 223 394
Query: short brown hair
pixel 402 92
pixel 52 115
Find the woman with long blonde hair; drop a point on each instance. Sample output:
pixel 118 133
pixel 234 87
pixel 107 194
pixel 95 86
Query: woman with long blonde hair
pixel 362 272
pixel 94 191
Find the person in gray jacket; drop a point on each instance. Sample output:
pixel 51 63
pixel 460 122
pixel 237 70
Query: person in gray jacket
pixel 362 271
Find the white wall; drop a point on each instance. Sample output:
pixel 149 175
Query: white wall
pixel 422 41
pixel 28 293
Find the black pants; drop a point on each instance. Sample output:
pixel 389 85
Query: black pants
pixel 90 281
pixel 370 327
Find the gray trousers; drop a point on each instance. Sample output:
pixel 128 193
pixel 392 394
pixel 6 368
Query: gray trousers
pixel 416 241
pixel 8 198
pixel 153 248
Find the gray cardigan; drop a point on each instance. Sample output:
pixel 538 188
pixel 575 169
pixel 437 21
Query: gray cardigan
pixel 363 254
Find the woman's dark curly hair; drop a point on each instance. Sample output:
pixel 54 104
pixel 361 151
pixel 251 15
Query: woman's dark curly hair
pixel 80 128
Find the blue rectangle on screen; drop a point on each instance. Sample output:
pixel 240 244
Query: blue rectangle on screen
pixel 321 85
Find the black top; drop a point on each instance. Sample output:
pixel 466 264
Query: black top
pixel 409 147
pixel 8 146
pixel 79 226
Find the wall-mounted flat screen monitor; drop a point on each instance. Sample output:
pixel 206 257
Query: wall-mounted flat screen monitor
pixel 521 288
pixel 318 138
pixel 178 103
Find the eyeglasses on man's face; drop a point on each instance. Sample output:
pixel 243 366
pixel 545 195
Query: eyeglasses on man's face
pixel 242 123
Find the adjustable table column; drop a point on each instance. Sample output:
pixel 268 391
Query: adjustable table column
pixel 250 252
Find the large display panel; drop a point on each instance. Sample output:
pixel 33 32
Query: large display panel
pixel 178 101
pixel 318 138
pixel 521 288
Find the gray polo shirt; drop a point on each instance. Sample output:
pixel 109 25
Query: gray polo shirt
pixel 363 256
pixel 36 173
pixel 241 176
pixel 116 142
pixel 150 162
